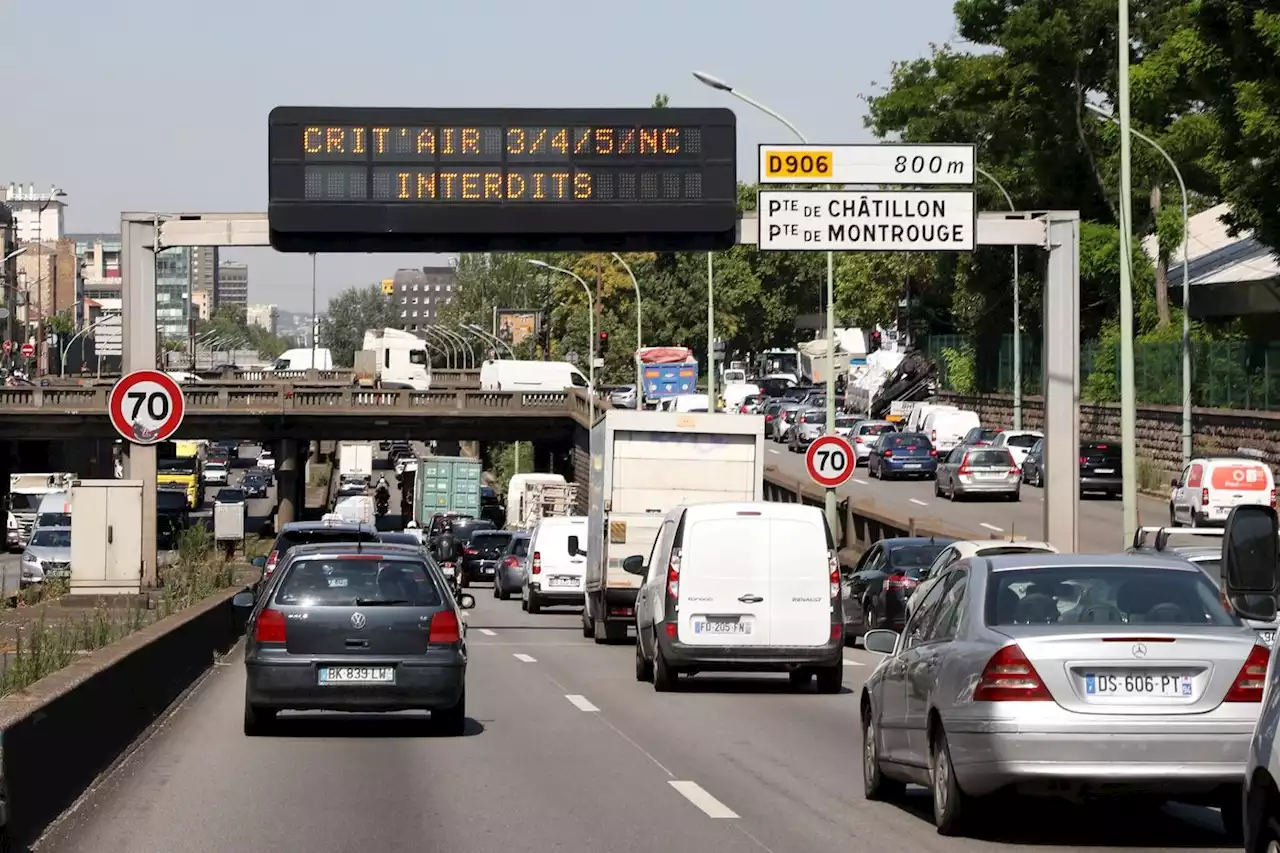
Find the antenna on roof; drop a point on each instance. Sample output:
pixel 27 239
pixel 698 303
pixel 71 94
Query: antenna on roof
pixel 1013 528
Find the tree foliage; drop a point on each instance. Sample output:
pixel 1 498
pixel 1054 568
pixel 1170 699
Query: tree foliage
pixel 350 314
pixel 228 323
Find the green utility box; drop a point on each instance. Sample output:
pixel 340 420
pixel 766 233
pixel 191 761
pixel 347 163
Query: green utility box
pixel 446 484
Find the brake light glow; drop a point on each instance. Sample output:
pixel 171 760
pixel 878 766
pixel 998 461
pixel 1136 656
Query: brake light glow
pixel 933 453
pixel 933 436
pixel 1252 680
pixel 470 552
pixel 536 566
pixel 888 454
pixel 1084 459
pixel 833 563
pixel 1010 677
pixel 673 574
pixel 1204 497
pixel 964 470
pixel 271 562
pixel 857 439
pixel 271 627
pixel 1015 471
pixel 510 562
pixel 898 581
pixel 445 629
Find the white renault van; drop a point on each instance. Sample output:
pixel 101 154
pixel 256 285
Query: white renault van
pixel 1208 488
pixel 751 587
pixel 946 428
pixel 554 573
pixel 520 375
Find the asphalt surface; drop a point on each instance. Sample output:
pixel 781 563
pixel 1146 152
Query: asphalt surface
pixel 1101 521
pixel 565 750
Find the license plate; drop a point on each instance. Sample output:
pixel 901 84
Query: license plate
pixel 911 465
pixel 569 581
pixel 1104 470
pixel 1138 684
pixel 991 475
pixel 726 626
pixel 1267 637
pixel 447 568
pixel 357 675
pixel 488 570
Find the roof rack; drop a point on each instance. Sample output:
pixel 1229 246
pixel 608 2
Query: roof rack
pixel 1162 535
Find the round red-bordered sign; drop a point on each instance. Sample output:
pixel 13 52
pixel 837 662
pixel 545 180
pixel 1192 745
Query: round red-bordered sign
pixel 830 461
pixel 146 407
pixel 28 350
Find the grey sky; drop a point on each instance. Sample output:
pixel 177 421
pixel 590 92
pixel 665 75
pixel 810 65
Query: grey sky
pixel 138 105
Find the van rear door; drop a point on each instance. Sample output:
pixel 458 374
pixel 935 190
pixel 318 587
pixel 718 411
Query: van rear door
pixel 559 570
pixel 799 596
pixel 724 580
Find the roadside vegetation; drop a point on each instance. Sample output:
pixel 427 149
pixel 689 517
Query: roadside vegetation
pixel 60 632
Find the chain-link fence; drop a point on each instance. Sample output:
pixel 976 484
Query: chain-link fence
pixel 1224 375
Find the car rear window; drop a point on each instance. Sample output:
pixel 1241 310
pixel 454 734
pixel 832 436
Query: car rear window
pixel 464 531
pixel 490 545
pixel 988 457
pixel 399 539
pixel 907 441
pixel 51 539
pixel 170 501
pixel 1003 550
pixel 291 539
pixel 875 429
pixel 846 422
pixel 520 547
pixel 1213 567
pixel 815 417
pixel 364 580
pixel 63 519
pixel 1104 595
pixel 913 556
pixel 1099 452
pixel 1022 440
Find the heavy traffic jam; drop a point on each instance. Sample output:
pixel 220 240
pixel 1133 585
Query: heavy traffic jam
pixel 991 667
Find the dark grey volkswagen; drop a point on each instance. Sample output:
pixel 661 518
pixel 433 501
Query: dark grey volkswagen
pixel 356 627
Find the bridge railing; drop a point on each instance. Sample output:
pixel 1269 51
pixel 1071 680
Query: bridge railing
pixel 440 377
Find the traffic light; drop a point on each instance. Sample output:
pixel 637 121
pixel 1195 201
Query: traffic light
pixel 603 346
pixel 875 342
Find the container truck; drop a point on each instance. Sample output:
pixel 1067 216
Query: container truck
pixel 644 464
pixel 446 484
pixel 355 462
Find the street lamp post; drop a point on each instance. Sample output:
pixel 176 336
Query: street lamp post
pixel 491 337
pixel 54 195
pixel 465 347
pixel 830 502
pixel 314 324
pixel 446 350
pixel 1017 311
pixel 1128 395
pixel 639 331
pixel 591 333
pixel 1186 278
pixel 66 349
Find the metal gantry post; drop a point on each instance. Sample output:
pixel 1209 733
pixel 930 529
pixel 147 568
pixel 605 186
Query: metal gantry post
pixel 139 233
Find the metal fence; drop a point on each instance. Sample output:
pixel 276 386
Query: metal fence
pixel 1224 375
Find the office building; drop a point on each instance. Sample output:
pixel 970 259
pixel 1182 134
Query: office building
pixel 263 316
pixel 418 295
pixel 173 291
pixel 37 217
pixel 99 258
pixel 232 285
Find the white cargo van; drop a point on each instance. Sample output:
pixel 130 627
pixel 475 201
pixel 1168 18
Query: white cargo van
pixel 946 428
pixel 740 587
pixel 1210 487
pixel 54 511
pixel 302 359
pixel 557 563
pixel 509 375
pixel 915 421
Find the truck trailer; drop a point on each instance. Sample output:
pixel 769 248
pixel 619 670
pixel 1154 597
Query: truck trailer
pixel 644 464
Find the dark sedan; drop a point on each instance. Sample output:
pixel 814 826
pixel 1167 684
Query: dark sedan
pixel 1101 467
pixel 355 628
pixel 255 485
pixel 902 454
pixel 481 554
pixel 876 590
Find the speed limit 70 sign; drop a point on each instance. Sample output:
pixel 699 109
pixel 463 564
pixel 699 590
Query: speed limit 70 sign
pixel 146 407
pixel 830 461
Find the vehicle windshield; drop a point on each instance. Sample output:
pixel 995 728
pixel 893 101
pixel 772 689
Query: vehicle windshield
pixel 399 539
pixel 846 422
pixel 875 429
pixel 520 547
pixel 291 539
pixel 24 503
pixel 490 545
pixel 358 580
pixel 815 417
pixel 1104 595
pixel 1021 440
pixel 63 519
pixel 51 539
pixel 906 441
pixel 990 458
pixel 230 496
pixel 914 556
pixel 185 465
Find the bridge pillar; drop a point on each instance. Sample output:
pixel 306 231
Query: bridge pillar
pixel 300 493
pixel 287 510
pixel 6 468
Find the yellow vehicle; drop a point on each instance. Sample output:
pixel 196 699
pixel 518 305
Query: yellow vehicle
pixel 187 449
pixel 182 472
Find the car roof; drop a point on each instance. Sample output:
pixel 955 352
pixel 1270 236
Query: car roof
pixel 972 547
pixel 1037 560
pixel 900 541
pixel 762 509
pixel 347 549
pixel 1185 552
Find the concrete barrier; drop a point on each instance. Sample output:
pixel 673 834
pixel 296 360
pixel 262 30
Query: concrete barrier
pixel 862 522
pixel 65 730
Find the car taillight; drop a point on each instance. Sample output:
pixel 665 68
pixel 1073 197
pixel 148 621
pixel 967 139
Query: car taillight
pixel 1252 680
pixel 673 574
pixel 857 439
pixel 1015 471
pixel 510 563
pixel 742 410
pixel 536 565
pixel 1084 459
pixel 271 562
pixel 933 436
pixel 445 629
pixel 271 628
pixel 1010 677
pixel 1204 497
pixel 1273 498
pixel 888 454
pixel 470 552
pixel 964 469
pixel 933 453
pixel 833 563
pixel 768 418
pixel 897 582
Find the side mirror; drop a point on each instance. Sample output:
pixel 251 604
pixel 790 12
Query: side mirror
pixel 880 641
pixel 1251 561
pixel 243 599
pixel 1173 482
pixel 574 550
pixel 466 601
pixel 634 565
pixel 259 562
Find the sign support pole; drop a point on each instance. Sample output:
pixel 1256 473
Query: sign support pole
pixel 139 237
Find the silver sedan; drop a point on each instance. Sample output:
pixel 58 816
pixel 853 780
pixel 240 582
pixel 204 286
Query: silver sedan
pixel 509 578
pixel 1064 675
pixel 970 470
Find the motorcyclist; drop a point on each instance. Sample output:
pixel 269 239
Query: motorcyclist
pixel 383 485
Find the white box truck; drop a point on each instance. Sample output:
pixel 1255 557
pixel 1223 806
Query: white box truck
pixel 644 464
pixel 355 463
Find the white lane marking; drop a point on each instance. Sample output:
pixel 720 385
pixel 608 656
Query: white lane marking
pixel 771 450
pixel 918 502
pixel 859 481
pixel 710 806
pixel 525 658
pixel 488 633
pixel 580 702
pixel 466 613
pixel 991 527
pixel 852 662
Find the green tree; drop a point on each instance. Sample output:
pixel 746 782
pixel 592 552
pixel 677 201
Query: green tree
pixel 229 323
pixel 350 314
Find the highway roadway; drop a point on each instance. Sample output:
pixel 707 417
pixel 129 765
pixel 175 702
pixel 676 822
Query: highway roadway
pixel 1101 526
pixel 565 750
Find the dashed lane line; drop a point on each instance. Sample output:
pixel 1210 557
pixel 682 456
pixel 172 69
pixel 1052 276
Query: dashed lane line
pixel 918 502
pixel 580 702
pixel 859 481
pixel 709 805
pixel 488 633
pixel 524 658
pixel 852 662
pixel 991 527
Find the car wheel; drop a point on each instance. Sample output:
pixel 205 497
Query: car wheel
pixel 800 679
pixel 524 603
pixel 257 719
pixel 937 491
pixel 504 594
pixel 588 627
pixel 831 679
pixel 534 606
pixel 665 679
pixel 451 721
pixel 951 806
pixel 951 493
pixel 644 668
pixel 497 589
pixel 1232 807
pixel 1016 496
pixel 1173 519
pixel 875 785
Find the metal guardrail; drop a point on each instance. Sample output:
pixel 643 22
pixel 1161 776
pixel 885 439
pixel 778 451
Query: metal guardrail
pixel 440 377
